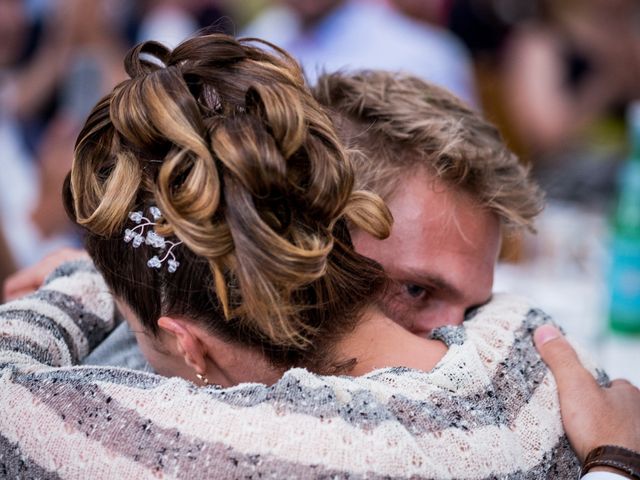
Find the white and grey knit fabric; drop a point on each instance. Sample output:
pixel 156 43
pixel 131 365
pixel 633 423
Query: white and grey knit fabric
pixel 489 409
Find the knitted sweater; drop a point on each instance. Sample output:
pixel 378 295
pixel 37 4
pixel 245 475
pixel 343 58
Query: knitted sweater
pixel 489 409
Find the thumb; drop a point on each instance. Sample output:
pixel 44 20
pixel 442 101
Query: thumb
pixel 561 359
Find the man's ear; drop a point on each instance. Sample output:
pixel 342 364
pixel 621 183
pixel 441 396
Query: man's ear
pixel 188 342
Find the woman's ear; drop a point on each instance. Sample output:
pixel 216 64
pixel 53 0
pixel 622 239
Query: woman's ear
pixel 188 342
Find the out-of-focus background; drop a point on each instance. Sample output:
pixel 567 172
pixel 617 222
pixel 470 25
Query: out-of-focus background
pixel 559 77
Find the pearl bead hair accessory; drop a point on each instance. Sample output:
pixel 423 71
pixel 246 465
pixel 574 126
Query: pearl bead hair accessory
pixel 137 237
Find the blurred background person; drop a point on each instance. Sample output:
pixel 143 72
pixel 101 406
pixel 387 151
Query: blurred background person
pixel 7 266
pixel 57 58
pixel 171 21
pixel 328 35
pixel 485 26
pixel 569 76
pixel 33 58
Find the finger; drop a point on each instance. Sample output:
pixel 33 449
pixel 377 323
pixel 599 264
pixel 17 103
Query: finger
pixel 13 293
pixel 623 383
pixel 562 360
pixel 31 278
pixel 24 280
pixel 619 382
pixel 19 294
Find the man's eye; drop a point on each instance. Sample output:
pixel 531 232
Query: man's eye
pixel 414 291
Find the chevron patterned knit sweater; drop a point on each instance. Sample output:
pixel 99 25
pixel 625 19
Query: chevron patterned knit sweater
pixel 489 409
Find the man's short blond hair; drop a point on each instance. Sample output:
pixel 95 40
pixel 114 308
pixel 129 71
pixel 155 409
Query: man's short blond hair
pixel 394 123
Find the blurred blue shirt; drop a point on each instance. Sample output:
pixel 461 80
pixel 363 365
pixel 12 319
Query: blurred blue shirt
pixel 360 35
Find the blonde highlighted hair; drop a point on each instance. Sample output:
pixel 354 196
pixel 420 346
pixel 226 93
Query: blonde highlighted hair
pixel 225 137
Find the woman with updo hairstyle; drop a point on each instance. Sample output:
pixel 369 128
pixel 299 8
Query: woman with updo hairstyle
pixel 223 137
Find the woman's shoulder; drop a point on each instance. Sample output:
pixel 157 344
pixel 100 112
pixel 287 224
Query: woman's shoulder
pixel 501 332
pixel 494 330
pixel 495 349
pixel 490 355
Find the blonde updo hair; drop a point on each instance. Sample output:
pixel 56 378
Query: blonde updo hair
pixel 225 138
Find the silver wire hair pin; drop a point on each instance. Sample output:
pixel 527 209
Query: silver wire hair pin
pixel 137 237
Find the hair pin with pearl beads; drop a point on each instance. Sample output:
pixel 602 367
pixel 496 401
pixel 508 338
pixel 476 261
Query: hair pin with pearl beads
pixel 137 236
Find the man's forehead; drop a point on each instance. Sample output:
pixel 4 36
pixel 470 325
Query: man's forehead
pixel 426 206
pixel 439 231
pixel 435 224
pixel 414 186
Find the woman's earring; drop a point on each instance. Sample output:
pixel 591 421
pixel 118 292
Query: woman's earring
pixel 203 379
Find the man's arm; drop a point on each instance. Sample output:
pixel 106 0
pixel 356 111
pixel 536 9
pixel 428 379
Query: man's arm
pixel 592 415
pixel 59 324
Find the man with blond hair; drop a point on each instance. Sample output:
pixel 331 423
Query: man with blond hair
pixel 452 185
pixel 455 190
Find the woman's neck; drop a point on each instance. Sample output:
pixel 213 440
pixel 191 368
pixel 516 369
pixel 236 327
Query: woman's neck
pixel 376 342
pixel 379 342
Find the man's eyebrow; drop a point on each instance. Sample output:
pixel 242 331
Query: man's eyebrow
pixel 430 280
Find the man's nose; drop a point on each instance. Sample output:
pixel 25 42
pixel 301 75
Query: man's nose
pixel 451 315
pixel 446 315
